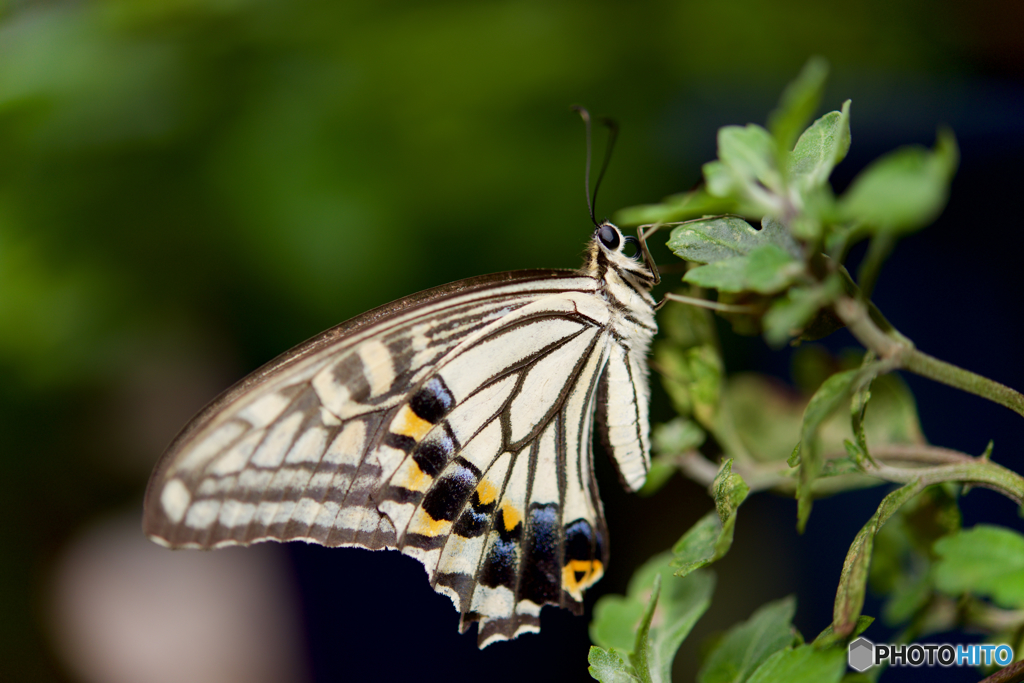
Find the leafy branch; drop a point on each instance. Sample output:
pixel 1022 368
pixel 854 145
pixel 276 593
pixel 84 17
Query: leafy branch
pixel 855 426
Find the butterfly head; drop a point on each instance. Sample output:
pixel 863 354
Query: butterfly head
pixel 626 254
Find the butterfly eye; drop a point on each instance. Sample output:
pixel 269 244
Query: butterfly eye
pixel 609 236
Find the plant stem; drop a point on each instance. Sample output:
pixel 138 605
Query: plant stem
pixel 944 465
pixel 941 371
pixel 713 305
pixel 899 350
pixel 1014 673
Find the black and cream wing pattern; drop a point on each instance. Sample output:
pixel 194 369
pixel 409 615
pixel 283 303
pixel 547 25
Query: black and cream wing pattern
pixel 454 425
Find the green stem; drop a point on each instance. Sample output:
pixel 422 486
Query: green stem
pixel 941 465
pixel 941 371
pixel 978 472
pixel 894 346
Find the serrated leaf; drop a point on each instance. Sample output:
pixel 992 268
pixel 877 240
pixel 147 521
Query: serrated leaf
pixel 747 645
pixel 727 237
pixel 798 103
pixel 984 560
pixel 853 579
pixel 609 667
pixel 713 239
pixel 819 149
pixel 711 537
pixel 766 270
pixel 904 190
pixel 803 664
pixel 791 314
pixel 678 207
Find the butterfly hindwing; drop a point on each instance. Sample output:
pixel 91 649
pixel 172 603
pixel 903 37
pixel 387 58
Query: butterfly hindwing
pixel 454 425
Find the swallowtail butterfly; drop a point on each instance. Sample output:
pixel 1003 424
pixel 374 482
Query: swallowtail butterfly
pixel 454 425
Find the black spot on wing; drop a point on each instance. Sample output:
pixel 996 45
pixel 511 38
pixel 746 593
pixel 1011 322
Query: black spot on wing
pixel 475 518
pixel 400 441
pixel 500 564
pixel 448 494
pixel 541 581
pixel 580 542
pixel 434 452
pixel 433 400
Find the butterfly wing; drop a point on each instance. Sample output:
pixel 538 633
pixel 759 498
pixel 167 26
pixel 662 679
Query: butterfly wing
pixel 454 425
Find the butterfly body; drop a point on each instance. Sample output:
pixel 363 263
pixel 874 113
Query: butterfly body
pixel 454 425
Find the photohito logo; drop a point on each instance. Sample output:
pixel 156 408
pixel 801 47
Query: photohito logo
pixel 864 654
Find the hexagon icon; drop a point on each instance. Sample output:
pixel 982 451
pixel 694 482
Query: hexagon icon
pixel 862 654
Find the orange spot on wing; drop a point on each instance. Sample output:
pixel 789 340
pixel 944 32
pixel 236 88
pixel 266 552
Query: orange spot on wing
pixel 411 477
pixel 579 575
pixel 486 492
pixel 426 525
pixel 510 516
pixel 408 423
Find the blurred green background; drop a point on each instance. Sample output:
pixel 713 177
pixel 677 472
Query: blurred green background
pixel 189 187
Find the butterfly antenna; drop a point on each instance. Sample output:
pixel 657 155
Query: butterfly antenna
pixel 613 134
pixel 585 115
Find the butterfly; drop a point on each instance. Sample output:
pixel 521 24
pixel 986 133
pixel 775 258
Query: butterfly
pixel 454 425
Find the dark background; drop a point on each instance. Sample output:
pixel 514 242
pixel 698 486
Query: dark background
pixel 189 187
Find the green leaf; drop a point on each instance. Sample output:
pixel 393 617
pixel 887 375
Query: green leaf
pixel 853 579
pixel 904 190
pixel 819 150
pixel 766 269
pixel 858 407
pixel 692 378
pixel 727 237
pixel 747 152
pixel 687 325
pixel 614 622
pixel 670 440
pixel 829 396
pixel 793 313
pixel 661 471
pixel 798 103
pixel 677 436
pixel 713 239
pixel 609 667
pixel 803 664
pixel 628 625
pixel 711 537
pixel 642 647
pixel 985 560
pixel 746 646
pixel 678 207
pixel 773 231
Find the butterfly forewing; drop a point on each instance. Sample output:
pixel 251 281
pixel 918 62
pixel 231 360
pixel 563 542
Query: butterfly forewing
pixel 454 425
